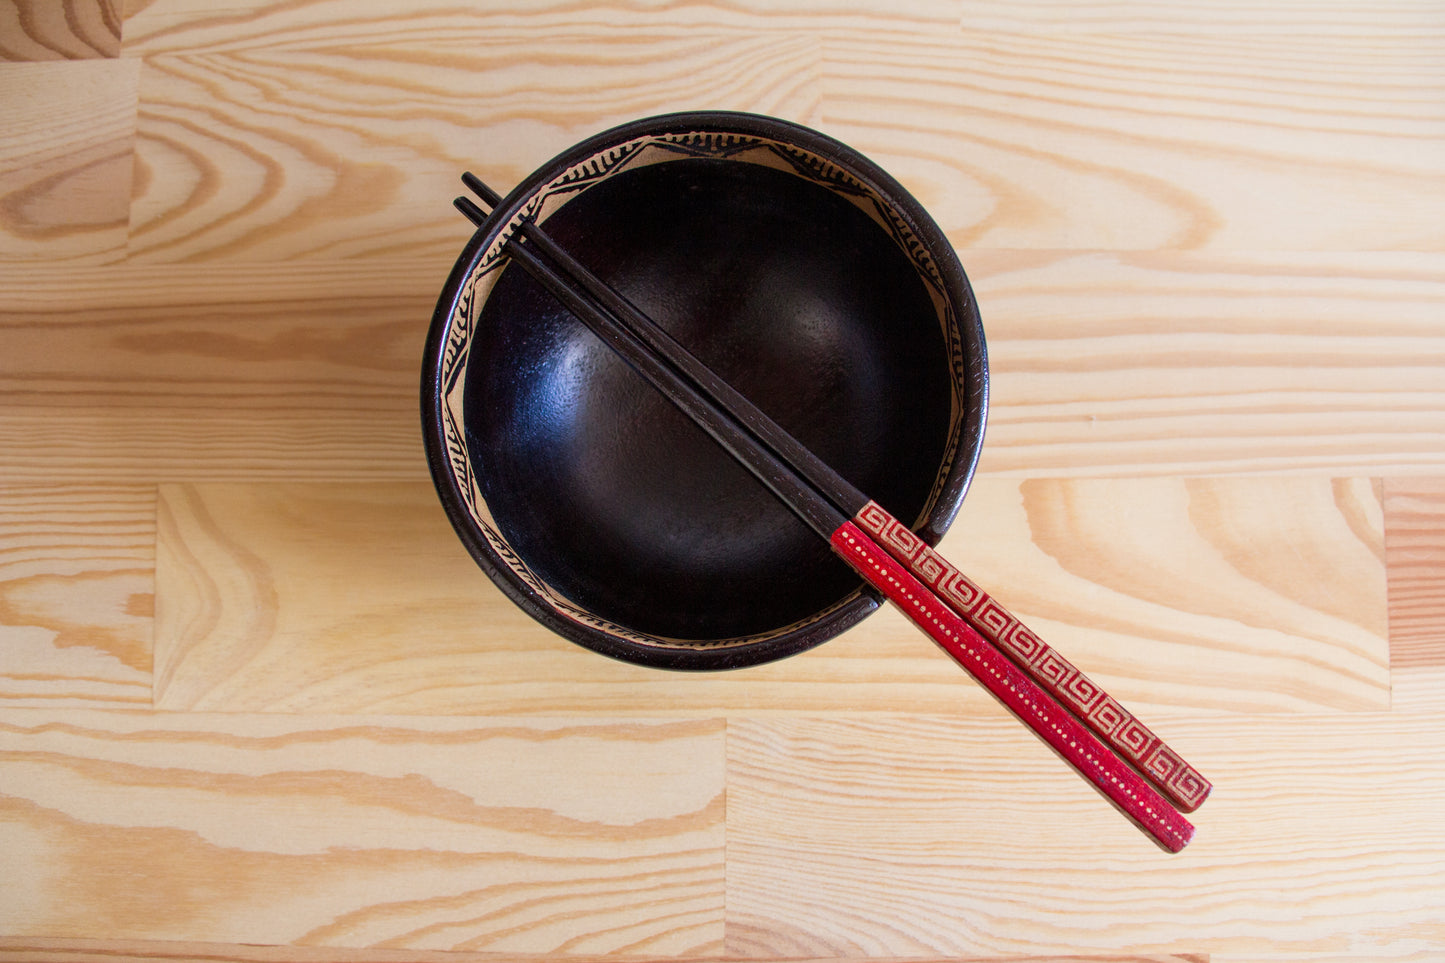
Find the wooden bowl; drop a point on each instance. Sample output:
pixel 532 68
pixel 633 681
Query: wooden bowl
pixel 795 268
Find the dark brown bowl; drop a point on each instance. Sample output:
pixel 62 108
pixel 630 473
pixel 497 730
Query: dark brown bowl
pixel 795 268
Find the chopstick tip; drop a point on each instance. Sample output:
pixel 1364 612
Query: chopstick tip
pixel 473 213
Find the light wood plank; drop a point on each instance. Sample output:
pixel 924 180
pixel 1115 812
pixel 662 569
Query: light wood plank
pixel 1242 594
pixel 1196 363
pixel 33 30
pixel 1415 550
pixel 138 951
pixel 67 136
pixel 908 835
pixel 293 338
pixel 304 154
pixel 284 371
pixel 1259 594
pixel 1102 364
pixel 77 590
pixel 1046 139
pixel 191 26
pixel 1013 140
pixel 1415 19
pixel 1415 553
pixel 353 147
pixel 589 837
pixel 139 445
pixel 1418 689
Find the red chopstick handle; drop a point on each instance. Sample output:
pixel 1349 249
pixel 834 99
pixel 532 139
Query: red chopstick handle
pixel 1175 778
pixel 1047 718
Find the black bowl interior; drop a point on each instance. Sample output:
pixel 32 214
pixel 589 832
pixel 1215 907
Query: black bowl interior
pixel 789 291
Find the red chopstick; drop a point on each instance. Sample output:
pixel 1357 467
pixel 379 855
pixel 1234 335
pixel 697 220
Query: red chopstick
pixel 1027 700
pixel 1109 720
pixel 884 558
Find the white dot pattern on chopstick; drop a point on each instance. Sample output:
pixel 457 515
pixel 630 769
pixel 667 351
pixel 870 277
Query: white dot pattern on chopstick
pixel 1114 724
pixel 984 662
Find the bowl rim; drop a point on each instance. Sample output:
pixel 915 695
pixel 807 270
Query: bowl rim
pixel 974 397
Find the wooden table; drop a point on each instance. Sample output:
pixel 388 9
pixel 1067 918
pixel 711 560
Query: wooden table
pixel 256 702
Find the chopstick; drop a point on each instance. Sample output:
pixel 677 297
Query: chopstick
pixel 1125 734
pixel 879 548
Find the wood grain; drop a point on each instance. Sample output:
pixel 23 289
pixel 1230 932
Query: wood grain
pixel 1249 580
pixel 1415 550
pixel 77 583
pixel 1415 19
pixel 1239 594
pixel 593 837
pixel 1045 139
pixel 140 951
pixel 296 338
pixel 1418 689
pixel 251 143
pixel 1005 851
pixel 1197 363
pixel 1168 364
pixel 1415 554
pixel 67 136
pixel 275 147
pixel 177 26
pixel 1207 243
pixel 140 444
pixel 277 371
pixel 59 29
